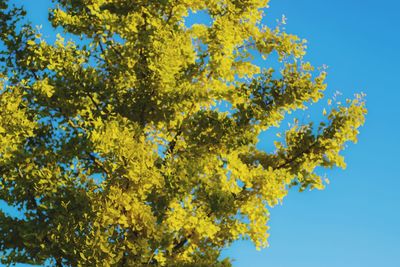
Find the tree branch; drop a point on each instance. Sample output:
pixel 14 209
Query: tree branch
pixel 298 155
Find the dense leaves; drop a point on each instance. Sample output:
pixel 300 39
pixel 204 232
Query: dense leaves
pixel 117 149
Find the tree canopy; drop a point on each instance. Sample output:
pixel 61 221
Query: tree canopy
pixel 133 142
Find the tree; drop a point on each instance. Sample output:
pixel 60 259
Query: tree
pixel 115 146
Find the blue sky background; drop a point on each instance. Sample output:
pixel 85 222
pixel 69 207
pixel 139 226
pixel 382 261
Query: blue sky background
pixel 355 221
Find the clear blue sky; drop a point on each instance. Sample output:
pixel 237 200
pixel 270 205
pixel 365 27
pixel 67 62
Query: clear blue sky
pixel 355 221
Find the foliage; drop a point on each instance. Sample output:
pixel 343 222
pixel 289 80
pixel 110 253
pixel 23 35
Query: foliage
pixel 114 145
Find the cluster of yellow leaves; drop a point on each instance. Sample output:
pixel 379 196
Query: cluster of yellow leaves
pixel 15 126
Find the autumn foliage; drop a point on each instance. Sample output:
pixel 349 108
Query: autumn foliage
pixel 133 141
